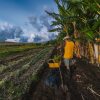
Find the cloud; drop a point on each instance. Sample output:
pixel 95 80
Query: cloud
pixel 41 25
pixel 39 22
pixel 9 32
pixel 27 37
pixel 45 21
pixel 5 25
pixel 35 30
pixel 13 40
pixel 33 20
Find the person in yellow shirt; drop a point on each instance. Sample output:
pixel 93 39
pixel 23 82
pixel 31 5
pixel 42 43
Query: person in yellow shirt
pixel 68 52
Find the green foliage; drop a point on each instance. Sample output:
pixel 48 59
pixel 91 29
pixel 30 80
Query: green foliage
pixel 57 58
pixel 15 82
pixel 85 13
pixel 6 50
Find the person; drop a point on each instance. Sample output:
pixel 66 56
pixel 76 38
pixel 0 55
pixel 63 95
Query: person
pixel 68 53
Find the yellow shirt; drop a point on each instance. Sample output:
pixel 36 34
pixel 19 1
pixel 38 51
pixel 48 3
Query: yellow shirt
pixel 69 49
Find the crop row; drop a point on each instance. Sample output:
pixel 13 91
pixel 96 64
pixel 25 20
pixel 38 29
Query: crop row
pixel 17 56
pixel 18 81
pixel 11 65
pixel 21 66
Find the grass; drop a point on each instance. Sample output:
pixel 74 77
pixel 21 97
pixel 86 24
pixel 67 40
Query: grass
pixel 19 73
pixel 17 82
pixel 6 50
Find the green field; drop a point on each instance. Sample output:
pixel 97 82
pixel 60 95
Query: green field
pixel 9 49
pixel 19 65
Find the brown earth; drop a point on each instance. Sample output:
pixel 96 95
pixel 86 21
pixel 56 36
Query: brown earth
pixel 84 85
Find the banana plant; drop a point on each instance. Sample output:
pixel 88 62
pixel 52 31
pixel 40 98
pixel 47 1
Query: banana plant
pixel 82 16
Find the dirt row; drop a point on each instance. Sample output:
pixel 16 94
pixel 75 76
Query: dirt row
pixel 84 85
pixel 17 56
pixel 25 60
pixel 20 75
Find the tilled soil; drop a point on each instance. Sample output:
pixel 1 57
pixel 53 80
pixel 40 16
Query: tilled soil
pixel 16 66
pixel 46 92
pixel 84 84
pixel 16 84
pixel 89 80
pixel 17 56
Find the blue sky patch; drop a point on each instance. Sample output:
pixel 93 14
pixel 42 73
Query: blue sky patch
pixel 29 15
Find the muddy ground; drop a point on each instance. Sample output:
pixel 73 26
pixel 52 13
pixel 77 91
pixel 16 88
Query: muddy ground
pixel 84 84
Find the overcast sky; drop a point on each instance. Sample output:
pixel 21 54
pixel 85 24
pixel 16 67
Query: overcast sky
pixel 27 16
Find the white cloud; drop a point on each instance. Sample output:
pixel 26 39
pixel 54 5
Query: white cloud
pixel 5 25
pixel 9 32
pixel 13 40
pixel 31 37
pixel 35 31
pixel 41 27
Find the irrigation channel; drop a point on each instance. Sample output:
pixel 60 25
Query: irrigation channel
pixel 84 85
